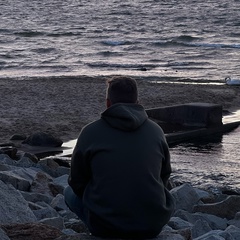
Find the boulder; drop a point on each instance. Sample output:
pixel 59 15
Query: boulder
pixel 185 197
pixel 60 183
pixel 213 221
pixel 36 197
pixel 235 221
pixel 33 231
pixel 231 232
pixel 43 139
pixel 58 203
pixel 18 137
pixel 45 212
pixel 76 225
pixel 212 235
pixel 25 162
pixel 3 235
pixel 51 167
pixel 14 208
pixel 15 180
pixel 10 151
pixel 56 222
pixel 200 227
pixel 178 223
pixel 5 159
pixel 169 236
pixel 224 209
pixel 205 196
pixel 31 156
pixel 41 184
pixel 6 167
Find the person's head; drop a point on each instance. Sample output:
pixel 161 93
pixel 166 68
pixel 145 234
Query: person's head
pixel 122 90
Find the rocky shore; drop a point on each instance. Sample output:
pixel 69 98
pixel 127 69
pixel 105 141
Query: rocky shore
pixel 31 188
pixel 33 207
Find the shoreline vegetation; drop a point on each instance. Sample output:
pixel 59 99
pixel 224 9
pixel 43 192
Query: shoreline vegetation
pixel 63 105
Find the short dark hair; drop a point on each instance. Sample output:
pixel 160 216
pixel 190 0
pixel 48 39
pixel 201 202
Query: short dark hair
pixel 122 90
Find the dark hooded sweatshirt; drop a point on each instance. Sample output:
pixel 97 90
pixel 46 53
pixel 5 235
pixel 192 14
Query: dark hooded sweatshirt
pixel 120 167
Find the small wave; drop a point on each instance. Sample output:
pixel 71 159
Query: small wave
pixel 215 45
pixel 174 43
pixel 64 34
pixel 109 53
pixel 122 66
pixel 2 64
pixel 2 30
pixel 43 50
pixel 185 38
pixel 187 63
pixel 28 33
pixel 114 42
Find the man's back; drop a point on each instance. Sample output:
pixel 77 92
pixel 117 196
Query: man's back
pixel 125 160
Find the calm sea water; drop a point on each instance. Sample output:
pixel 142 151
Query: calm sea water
pixel 187 39
pixel 212 164
pixel 194 39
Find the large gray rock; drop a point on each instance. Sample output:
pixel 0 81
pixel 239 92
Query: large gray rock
pixel 9 177
pixel 45 212
pixel 59 184
pixel 212 235
pixel 14 208
pixel 235 221
pixel 200 227
pixel 51 167
pixel 41 184
pixel 204 195
pixel 32 231
pixel 224 209
pixel 6 167
pixel 58 203
pixel 56 222
pixel 3 235
pixel 43 139
pixel 25 162
pixel 185 197
pixel 213 221
pixel 11 151
pixel 231 232
pixel 67 214
pixel 178 223
pixel 36 197
pixel 5 159
pixel 76 225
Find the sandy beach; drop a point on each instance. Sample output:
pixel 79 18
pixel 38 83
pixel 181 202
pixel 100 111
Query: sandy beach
pixel 62 106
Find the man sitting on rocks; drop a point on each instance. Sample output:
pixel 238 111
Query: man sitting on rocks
pixel 120 168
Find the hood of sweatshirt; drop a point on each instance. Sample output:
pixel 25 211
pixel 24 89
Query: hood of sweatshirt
pixel 125 116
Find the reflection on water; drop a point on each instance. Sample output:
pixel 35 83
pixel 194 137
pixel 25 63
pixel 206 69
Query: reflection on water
pixel 212 162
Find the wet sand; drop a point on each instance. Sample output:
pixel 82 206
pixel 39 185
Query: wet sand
pixel 62 106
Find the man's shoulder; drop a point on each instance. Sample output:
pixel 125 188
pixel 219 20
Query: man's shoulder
pixel 153 123
pixel 93 126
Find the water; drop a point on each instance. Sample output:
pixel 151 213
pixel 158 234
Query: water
pixel 193 39
pixel 188 39
pixel 212 163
